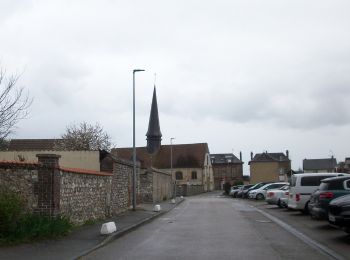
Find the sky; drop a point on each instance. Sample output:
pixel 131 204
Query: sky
pixel 240 75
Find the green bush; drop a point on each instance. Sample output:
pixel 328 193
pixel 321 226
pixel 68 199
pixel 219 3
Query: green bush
pixel 11 211
pixel 16 226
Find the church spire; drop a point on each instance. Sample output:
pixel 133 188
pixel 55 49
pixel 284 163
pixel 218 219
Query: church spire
pixel 154 136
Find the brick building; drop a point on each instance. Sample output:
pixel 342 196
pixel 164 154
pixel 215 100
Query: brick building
pixel 226 168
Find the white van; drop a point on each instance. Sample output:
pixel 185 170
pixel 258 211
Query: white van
pixel 301 187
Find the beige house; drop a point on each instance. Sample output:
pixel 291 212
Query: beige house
pixel 89 160
pixel 191 162
pixel 271 167
pixel 27 149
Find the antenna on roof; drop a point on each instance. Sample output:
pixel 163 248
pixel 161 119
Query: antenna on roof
pixel 155 78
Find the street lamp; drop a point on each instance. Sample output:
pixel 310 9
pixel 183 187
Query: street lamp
pixel 133 141
pixel 171 164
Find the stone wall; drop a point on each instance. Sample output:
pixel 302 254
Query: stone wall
pixel 84 196
pixel 22 179
pixel 121 196
pixel 146 187
pixel 81 194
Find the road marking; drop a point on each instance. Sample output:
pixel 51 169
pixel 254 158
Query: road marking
pixel 319 247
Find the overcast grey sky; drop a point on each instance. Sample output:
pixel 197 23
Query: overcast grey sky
pixel 241 75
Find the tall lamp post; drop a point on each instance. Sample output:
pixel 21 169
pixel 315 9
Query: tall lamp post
pixel 171 164
pixel 133 141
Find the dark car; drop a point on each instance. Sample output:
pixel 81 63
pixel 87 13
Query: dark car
pixel 243 189
pixel 328 190
pixel 339 212
pixel 253 187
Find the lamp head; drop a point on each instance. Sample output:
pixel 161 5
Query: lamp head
pixel 137 70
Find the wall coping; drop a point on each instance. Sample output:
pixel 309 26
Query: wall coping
pixel 19 163
pixel 84 171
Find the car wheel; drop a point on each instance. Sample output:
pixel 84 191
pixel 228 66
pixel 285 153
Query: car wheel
pixel 306 209
pixel 279 204
pixel 260 196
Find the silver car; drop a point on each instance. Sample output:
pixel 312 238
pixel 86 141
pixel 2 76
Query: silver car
pixel 276 196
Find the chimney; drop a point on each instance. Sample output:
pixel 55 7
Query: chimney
pixel 240 155
pixel 251 155
pixel 287 154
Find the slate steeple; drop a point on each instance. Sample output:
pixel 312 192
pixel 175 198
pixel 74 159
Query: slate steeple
pixel 154 136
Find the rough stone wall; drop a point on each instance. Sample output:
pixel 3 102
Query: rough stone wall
pixel 121 186
pixel 84 196
pixel 146 187
pixel 23 181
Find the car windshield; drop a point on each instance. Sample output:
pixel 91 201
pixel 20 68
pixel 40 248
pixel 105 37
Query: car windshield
pixel 286 187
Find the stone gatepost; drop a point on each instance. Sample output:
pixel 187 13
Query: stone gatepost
pixel 48 185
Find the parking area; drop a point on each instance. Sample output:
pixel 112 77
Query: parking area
pixel 318 230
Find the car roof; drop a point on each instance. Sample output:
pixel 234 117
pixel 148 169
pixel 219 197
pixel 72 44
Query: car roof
pixel 337 178
pixel 320 174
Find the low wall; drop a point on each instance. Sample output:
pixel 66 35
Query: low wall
pixel 189 190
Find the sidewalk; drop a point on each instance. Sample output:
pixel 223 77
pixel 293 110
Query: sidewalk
pixel 87 238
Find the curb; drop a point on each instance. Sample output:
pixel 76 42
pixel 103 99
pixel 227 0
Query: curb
pixel 125 231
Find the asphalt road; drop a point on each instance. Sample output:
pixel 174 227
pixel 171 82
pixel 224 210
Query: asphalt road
pixel 318 230
pixel 210 226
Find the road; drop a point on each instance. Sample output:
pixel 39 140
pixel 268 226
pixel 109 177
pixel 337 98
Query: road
pixel 209 226
pixel 318 230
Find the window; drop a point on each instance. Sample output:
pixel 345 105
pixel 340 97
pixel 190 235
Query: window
pixel 312 180
pixel 347 185
pixel 194 175
pixel 178 175
pixel 336 185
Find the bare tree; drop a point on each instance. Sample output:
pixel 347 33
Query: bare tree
pixel 84 137
pixel 14 104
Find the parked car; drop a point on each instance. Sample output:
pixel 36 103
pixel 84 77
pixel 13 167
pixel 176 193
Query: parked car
pixel 328 190
pixel 234 190
pixel 301 187
pixel 339 212
pixel 260 193
pixel 274 196
pixel 256 186
pixel 243 189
